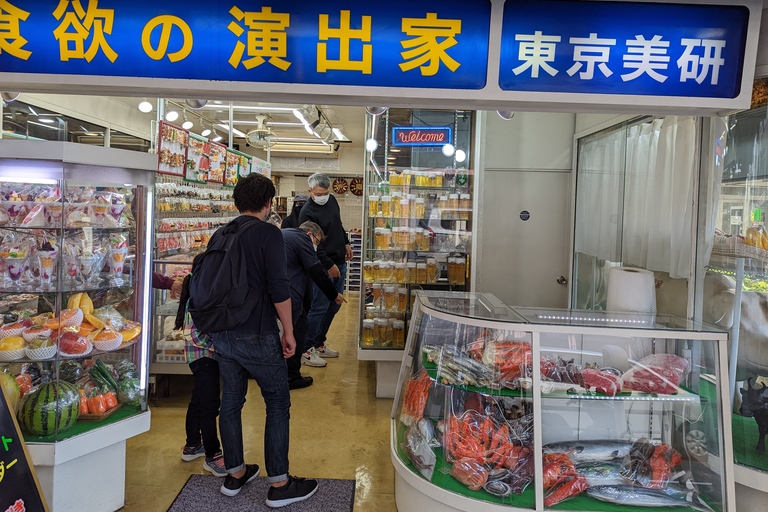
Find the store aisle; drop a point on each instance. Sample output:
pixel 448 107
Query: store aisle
pixel 338 430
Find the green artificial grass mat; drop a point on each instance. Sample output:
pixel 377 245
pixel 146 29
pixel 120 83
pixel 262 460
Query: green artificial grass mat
pixel 81 427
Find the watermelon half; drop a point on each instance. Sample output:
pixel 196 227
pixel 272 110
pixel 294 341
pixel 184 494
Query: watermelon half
pixel 52 408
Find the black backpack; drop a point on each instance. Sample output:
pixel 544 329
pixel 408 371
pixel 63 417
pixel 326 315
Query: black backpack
pixel 220 298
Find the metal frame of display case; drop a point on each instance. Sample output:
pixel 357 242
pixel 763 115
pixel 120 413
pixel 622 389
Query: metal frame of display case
pixel 413 493
pixel 68 467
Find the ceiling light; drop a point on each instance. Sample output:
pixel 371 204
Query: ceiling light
pixel 448 149
pixel 32 111
pixel 8 97
pixel 145 107
pixel 394 150
pixel 460 155
pixel 206 132
pixel 376 111
pixel 196 104
pixel 46 120
pixel 171 116
pixel 217 138
pixel 187 124
pixel 506 114
pixel 371 145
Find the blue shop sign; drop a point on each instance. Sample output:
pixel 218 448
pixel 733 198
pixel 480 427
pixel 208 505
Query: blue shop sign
pixel 421 135
pixel 419 43
pixel 623 48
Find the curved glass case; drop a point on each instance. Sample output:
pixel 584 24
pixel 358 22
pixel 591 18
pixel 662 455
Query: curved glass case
pixel 561 409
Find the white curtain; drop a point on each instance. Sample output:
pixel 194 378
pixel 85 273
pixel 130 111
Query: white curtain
pixel 635 202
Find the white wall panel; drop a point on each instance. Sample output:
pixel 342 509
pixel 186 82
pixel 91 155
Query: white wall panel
pixel 530 140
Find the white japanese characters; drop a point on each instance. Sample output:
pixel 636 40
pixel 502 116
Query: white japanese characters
pixel 699 59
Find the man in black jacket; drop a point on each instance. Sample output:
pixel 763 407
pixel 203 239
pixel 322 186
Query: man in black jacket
pixel 292 220
pixel 302 262
pixel 323 210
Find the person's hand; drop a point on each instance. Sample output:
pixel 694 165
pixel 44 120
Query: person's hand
pixel 289 345
pixel 334 272
pixel 176 289
pixel 340 299
pixel 349 255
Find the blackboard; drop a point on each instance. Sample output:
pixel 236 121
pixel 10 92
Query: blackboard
pixel 19 488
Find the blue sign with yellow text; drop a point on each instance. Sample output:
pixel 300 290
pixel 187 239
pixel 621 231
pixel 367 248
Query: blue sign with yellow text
pixel 415 44
pixel 623 48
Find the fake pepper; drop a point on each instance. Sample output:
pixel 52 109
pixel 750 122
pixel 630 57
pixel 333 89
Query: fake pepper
pixel 25 383
pixel 96 405
pixel 110 400
pixel 83 402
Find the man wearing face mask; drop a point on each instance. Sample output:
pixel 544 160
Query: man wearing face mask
pixel 302 262
pixel 323 210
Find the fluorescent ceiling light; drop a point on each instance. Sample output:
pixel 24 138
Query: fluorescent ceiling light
pixel 36 181
pixel 276 123
pixel 46 120
pixel 339 134
pixel 145 107
pixel 44 125
pixel 32 111
pixel 307 140
pixel 260 109
pixel 235 131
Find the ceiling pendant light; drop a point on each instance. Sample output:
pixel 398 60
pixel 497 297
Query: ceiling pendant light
pixel 205 132
pixel 376 111
pixel 187 124
pixel 145 106
pixel 196 104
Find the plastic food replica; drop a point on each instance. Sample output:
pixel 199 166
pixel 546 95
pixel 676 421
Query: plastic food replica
pixel 466 420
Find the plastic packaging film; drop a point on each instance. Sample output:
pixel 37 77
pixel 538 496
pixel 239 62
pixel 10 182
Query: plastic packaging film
pixel 631 290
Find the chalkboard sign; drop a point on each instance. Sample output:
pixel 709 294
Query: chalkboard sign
pixel 19 488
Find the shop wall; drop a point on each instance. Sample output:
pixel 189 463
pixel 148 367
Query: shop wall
pixel 526 166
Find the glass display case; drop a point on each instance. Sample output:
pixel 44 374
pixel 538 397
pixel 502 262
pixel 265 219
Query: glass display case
pixel 418 216
pixel 75 257
pixel 736 281
pixel 503 408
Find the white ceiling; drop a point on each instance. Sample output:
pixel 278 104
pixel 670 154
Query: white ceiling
pixel 349 119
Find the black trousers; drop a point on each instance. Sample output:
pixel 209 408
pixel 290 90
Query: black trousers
pixel 203 408
pixel 300 326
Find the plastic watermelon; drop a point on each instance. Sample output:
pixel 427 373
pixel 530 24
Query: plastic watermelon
pixel 53 408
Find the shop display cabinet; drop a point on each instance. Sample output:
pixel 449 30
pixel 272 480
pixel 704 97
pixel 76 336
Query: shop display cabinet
pixel 76 227
pixel 503 408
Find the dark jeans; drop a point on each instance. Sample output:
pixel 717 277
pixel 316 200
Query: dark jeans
pixel 323 310
pixel 204 406
pixel 248 354
pixel 300 326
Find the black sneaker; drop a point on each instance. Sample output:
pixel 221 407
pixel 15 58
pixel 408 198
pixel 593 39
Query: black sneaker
pixel 232 485
pixel 297 489
pixel 300 382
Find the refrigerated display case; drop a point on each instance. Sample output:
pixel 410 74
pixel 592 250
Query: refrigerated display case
pixel 505 408
pixel 76 225
pixel 418 226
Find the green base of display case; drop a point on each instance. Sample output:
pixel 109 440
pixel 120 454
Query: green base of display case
pixel 81 427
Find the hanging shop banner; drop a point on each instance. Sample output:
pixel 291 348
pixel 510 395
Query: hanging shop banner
pixel 19 487
pixel 262 167
pixel 198 159
pixel 218 162
pixel 172 146
pixel 420 43
pixel 421 136
pixel 235 161
pixel 623 48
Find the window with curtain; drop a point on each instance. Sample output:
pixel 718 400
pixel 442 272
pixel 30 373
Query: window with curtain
pixel 635 190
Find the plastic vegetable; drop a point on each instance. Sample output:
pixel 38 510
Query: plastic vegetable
pixel 25 383
pixel 83 402
pixel 129 392
pixel 111 399
pixel 96 405
pixel 12 390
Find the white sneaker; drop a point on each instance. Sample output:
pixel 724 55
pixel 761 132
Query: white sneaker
pixel 326 351
pixel 310 358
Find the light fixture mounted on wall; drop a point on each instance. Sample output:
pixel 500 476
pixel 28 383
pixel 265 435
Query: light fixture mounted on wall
pixel 376 111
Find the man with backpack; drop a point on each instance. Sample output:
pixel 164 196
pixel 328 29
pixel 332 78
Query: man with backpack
pixel 236 291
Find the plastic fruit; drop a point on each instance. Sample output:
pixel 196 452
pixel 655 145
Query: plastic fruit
pixel 86 304
pixel 12 343
pixel 94 321
pixel 41 342
pixel 73 343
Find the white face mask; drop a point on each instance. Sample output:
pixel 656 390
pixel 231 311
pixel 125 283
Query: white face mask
pixel 321 200
pixel 315 246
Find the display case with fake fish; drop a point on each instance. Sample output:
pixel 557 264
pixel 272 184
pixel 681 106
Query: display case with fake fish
pixel 539 409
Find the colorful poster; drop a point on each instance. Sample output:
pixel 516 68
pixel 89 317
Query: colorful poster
pixel 198 159
pixel 172 145
pixel 218 155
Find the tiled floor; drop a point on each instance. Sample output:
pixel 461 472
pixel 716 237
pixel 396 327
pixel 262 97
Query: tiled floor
pixel 339 429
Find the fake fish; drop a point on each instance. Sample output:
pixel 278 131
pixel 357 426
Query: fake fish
pixel 602 473
pixel 598 450
pixel 642 497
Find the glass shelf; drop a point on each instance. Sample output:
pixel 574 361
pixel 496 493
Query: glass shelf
pixel 105 284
